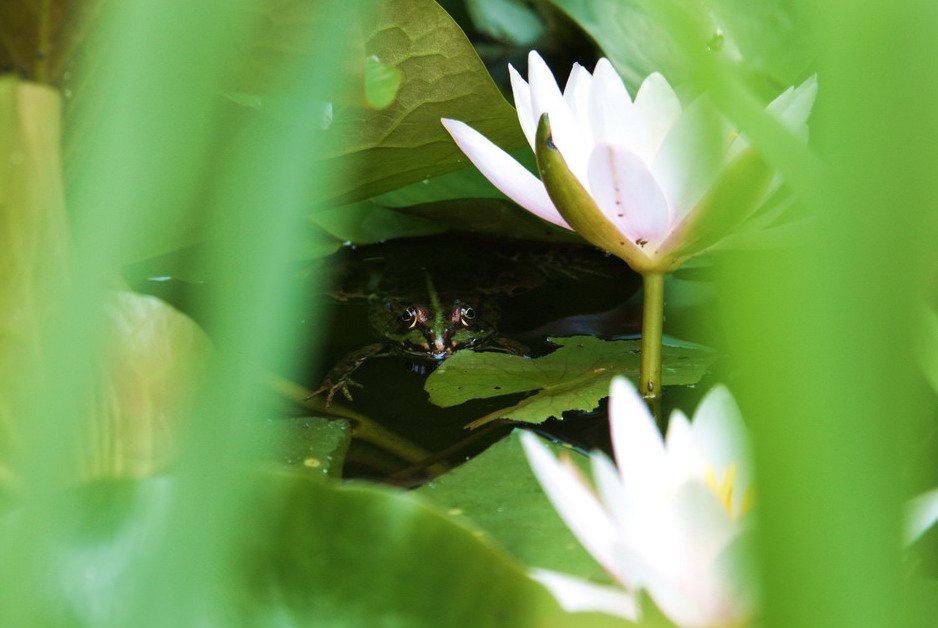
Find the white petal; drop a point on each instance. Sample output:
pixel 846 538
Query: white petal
pixel 504 172
pixel 658 109
pixel 522 93
pixel 705 531
pixel 684 453
pixel 692 155
pixel 636 441
pixel 579 596
pixel 719 429
pixel 577 92
pixel 568 134
pixel 793 106
pixel 609 486
pixel 574 502
pixel 921 514
pixel 614 118
pixel 629 195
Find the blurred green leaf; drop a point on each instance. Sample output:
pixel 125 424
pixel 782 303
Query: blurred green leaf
pixel 764 38
pixel 497 491
pixel 366 556
pixel 442 77
pixel 33 243
pixel 771 36
pixel 629 37
pixel 307 553
pixel 155 361
pixel 510 21
pixel 574 377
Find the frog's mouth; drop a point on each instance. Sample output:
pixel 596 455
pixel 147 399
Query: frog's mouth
pixel 436 348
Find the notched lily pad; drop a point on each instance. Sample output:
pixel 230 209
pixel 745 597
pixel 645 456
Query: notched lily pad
pixel 574 377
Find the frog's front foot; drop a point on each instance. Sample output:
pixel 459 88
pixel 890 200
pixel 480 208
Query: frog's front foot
pixel 332 387
pixel 339 378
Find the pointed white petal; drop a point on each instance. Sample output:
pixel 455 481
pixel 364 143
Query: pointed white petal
pixel 574 502
pixel 577 92
pixel 522 93
pixel 793 106
pixel 629 195
pixel 568 134
pixel 636 441
pixel 719 429
pixel 658 109
pixel 921 513
pixel 684 453
pixel 692 155
pixel 609 486
pixel 613 116
pixel 579 596
pixel 504 172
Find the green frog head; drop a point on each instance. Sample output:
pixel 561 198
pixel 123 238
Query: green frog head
pixel 433 326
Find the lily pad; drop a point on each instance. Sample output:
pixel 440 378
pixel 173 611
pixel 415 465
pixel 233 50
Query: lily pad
pixel 767 37
pixel 498 492
pixel 632 40
pixel 574 377
pixel 311 445
pixel 310 553
pixel 463 200
pixel 442 76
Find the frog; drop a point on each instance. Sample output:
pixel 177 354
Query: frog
pixel 428 327
pixel 429 298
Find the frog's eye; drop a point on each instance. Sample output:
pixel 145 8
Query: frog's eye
pixel 467 314
pixel 409 316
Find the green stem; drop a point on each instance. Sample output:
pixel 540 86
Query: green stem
pixel 652 328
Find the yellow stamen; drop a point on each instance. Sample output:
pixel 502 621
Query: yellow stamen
pixel 724 486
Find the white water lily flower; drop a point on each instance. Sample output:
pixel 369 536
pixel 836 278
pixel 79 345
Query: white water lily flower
pixel 668 520
pixel 649 172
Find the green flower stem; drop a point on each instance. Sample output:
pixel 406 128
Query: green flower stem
pixel 652 328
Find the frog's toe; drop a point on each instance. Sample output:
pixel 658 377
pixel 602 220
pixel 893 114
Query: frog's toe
pixel 344 387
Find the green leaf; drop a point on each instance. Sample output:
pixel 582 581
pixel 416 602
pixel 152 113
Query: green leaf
pixel 301 553
pixel 310 445
pixel 366 556
pixel 463 200
pixel 510 21
pixel 767 38
pixel 497 491
pixel 442 77
pixel 367 222
pixel 631 39
pixel 574 377
pixel 771 35
pixel 33 242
